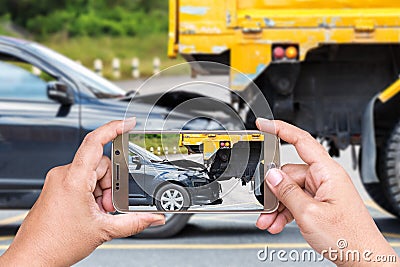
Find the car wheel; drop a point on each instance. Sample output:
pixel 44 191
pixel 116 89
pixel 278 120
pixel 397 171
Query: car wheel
pixel 172 197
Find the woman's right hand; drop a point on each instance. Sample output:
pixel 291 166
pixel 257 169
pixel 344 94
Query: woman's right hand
pixel 321 198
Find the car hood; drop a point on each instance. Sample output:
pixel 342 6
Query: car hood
pixel 180 165
pixel 96 112
pixel 187 164
pixel 220 115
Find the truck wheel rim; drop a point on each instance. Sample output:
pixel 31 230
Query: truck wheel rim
pixel 172 199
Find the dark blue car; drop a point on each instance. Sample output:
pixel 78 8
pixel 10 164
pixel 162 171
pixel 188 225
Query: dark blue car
pixel 170 185
pixel 43 119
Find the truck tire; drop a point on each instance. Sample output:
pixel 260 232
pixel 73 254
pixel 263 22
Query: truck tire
pixel 375 191
pixel 173 225
pixel 389 170
pixel 260 198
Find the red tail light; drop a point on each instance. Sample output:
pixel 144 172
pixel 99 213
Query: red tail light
pixel 278 52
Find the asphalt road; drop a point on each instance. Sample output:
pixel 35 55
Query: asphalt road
pixel 212 239
pixel 207 240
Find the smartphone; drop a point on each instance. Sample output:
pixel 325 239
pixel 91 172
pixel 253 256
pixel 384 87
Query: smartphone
pixel 194 171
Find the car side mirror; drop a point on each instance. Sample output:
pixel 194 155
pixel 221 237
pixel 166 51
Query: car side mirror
pixel 60 92
pixel 136 160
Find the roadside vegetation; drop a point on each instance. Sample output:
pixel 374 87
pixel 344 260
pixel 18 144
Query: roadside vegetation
pixel 88 29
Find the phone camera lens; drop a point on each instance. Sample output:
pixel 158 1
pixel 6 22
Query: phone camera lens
pixel 117 152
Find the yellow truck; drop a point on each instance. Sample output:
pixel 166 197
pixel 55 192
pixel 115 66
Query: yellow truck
pixel 329 67
pixel 210 143
pixel 230 155
pixel 216 150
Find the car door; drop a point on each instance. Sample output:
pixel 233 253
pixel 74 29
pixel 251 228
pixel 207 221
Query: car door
pixel 36 133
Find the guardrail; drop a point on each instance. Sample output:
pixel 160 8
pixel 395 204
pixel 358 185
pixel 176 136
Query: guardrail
pixel 116 67
pixel 98 67
pixel 163 150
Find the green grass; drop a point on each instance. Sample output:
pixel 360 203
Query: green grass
pixel 157 140
pixel 87 49
pixel 4 30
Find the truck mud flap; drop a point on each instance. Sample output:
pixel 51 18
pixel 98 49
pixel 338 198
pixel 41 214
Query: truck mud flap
pixel 368 156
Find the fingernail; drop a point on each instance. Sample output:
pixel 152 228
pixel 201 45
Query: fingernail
pixel 158 222
pixel 258 121
pixel 265 123
pixel 274 177
pixel 264 120
pixel 129 122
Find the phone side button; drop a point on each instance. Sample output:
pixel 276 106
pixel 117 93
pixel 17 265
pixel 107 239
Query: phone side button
pixel 117 172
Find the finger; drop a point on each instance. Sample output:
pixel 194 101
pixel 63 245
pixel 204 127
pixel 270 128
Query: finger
pixel 99 202
pixel 101 171
pixel 97 191
pixel 281 207
pixel 280 222
pixel 107 200
pixel 132 223
pixel 90 152
pixel 265 220
pixel 297 172
pixel 105 185
pixel 103 167
pixel 307 147
pixel 288 191
pixel 106 181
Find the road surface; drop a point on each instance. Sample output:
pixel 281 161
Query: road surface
pixel 214 240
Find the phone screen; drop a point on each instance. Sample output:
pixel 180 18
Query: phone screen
pixel 194 172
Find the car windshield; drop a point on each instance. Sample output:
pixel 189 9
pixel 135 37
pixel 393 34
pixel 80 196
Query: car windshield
pixel 143 152
pixel 99 86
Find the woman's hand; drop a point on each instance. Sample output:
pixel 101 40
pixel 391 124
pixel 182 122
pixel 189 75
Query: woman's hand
pixel 70 218
pixel 320 196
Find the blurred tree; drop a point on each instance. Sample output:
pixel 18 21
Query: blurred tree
pixel 88 17
pixel 23 10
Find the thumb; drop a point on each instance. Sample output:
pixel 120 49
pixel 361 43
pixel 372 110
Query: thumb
pixel 128 224
pixel 288 191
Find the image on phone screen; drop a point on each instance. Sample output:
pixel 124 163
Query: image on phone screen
pixel 197 171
